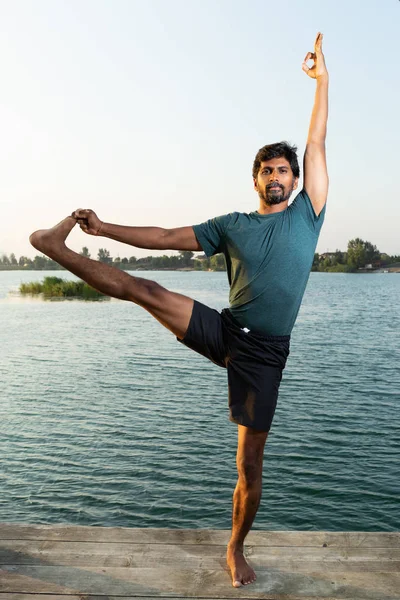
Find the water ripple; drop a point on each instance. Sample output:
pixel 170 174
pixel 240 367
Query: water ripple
pixel 129 428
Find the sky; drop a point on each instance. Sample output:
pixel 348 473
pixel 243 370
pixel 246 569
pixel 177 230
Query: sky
pixel 150 112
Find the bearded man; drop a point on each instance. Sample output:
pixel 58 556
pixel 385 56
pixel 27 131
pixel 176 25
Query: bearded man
pixel 269 253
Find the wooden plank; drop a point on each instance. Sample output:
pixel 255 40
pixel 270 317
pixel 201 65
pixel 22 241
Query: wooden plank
pixel 272 584
pixel 7 596
pixel 286 564
pixel 21 596
pixel 192 555
pixel 66 562
pixel 198 536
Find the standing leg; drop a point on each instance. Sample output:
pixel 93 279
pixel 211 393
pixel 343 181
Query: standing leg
pixel 170 309
pixel 246 500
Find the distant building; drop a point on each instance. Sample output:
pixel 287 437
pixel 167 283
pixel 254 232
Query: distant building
pixel 327 255
pixel 369 267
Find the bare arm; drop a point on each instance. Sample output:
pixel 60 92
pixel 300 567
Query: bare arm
pixel 152 238
pixel 316 181
pixel 182 238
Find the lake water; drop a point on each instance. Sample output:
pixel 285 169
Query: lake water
pixel 107 420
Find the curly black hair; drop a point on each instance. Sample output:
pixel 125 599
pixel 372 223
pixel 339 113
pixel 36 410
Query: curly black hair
pixel 276 151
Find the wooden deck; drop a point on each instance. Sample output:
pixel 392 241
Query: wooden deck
pixel 39 562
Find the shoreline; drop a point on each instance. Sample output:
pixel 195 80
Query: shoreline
pixel 187 269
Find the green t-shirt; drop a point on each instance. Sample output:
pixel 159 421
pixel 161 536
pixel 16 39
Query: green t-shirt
pixel 268 259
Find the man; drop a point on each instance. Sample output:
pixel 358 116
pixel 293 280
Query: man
pixel 269 254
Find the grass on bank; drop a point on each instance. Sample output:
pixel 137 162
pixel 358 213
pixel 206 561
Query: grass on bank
pixel 55 287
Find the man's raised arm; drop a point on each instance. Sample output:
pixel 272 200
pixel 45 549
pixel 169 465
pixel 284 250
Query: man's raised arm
pixel 152 238
pixel 316 181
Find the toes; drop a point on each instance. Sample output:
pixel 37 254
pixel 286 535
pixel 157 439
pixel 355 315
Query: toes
pixel 236 579
pixel 250 579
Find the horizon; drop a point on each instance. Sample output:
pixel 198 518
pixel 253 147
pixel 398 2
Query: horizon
pixel 167 252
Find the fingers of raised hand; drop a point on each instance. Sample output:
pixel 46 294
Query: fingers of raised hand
pixel 318 42
pixel 309 56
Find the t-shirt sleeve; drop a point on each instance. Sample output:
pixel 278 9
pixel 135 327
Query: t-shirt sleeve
pixel 303 205
pixel 211 234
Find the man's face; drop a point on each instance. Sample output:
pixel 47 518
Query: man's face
pixel 275 181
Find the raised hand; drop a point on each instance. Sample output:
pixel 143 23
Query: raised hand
pixel 88 221
pixel 318 69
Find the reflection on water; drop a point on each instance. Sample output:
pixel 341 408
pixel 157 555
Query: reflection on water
pixel 17 297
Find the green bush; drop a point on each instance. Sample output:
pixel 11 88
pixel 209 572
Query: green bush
pixel 30 288
pixel 55 287
pixel 339 269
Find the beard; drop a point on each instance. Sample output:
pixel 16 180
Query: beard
pixel 272 197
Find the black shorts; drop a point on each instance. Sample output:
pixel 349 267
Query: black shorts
pixel 254 363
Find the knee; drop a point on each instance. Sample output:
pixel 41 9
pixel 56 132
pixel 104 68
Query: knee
pixel 155 295
pixel 145 292
pixel 152 289
pixel 250 472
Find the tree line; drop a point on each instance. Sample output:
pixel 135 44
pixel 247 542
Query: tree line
pixel 185 259
pixel 359 254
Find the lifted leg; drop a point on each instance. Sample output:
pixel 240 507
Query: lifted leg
pixel 171 309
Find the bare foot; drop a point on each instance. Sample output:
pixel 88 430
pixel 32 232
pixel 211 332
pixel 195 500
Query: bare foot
pixel 242 573
pixel 49 241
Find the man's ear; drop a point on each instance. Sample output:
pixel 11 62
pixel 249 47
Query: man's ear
pixel 296 183
pixel 255 184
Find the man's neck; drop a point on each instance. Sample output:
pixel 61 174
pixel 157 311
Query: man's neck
pixel 266 209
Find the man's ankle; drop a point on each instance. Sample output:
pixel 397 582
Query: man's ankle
pixel 235 545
